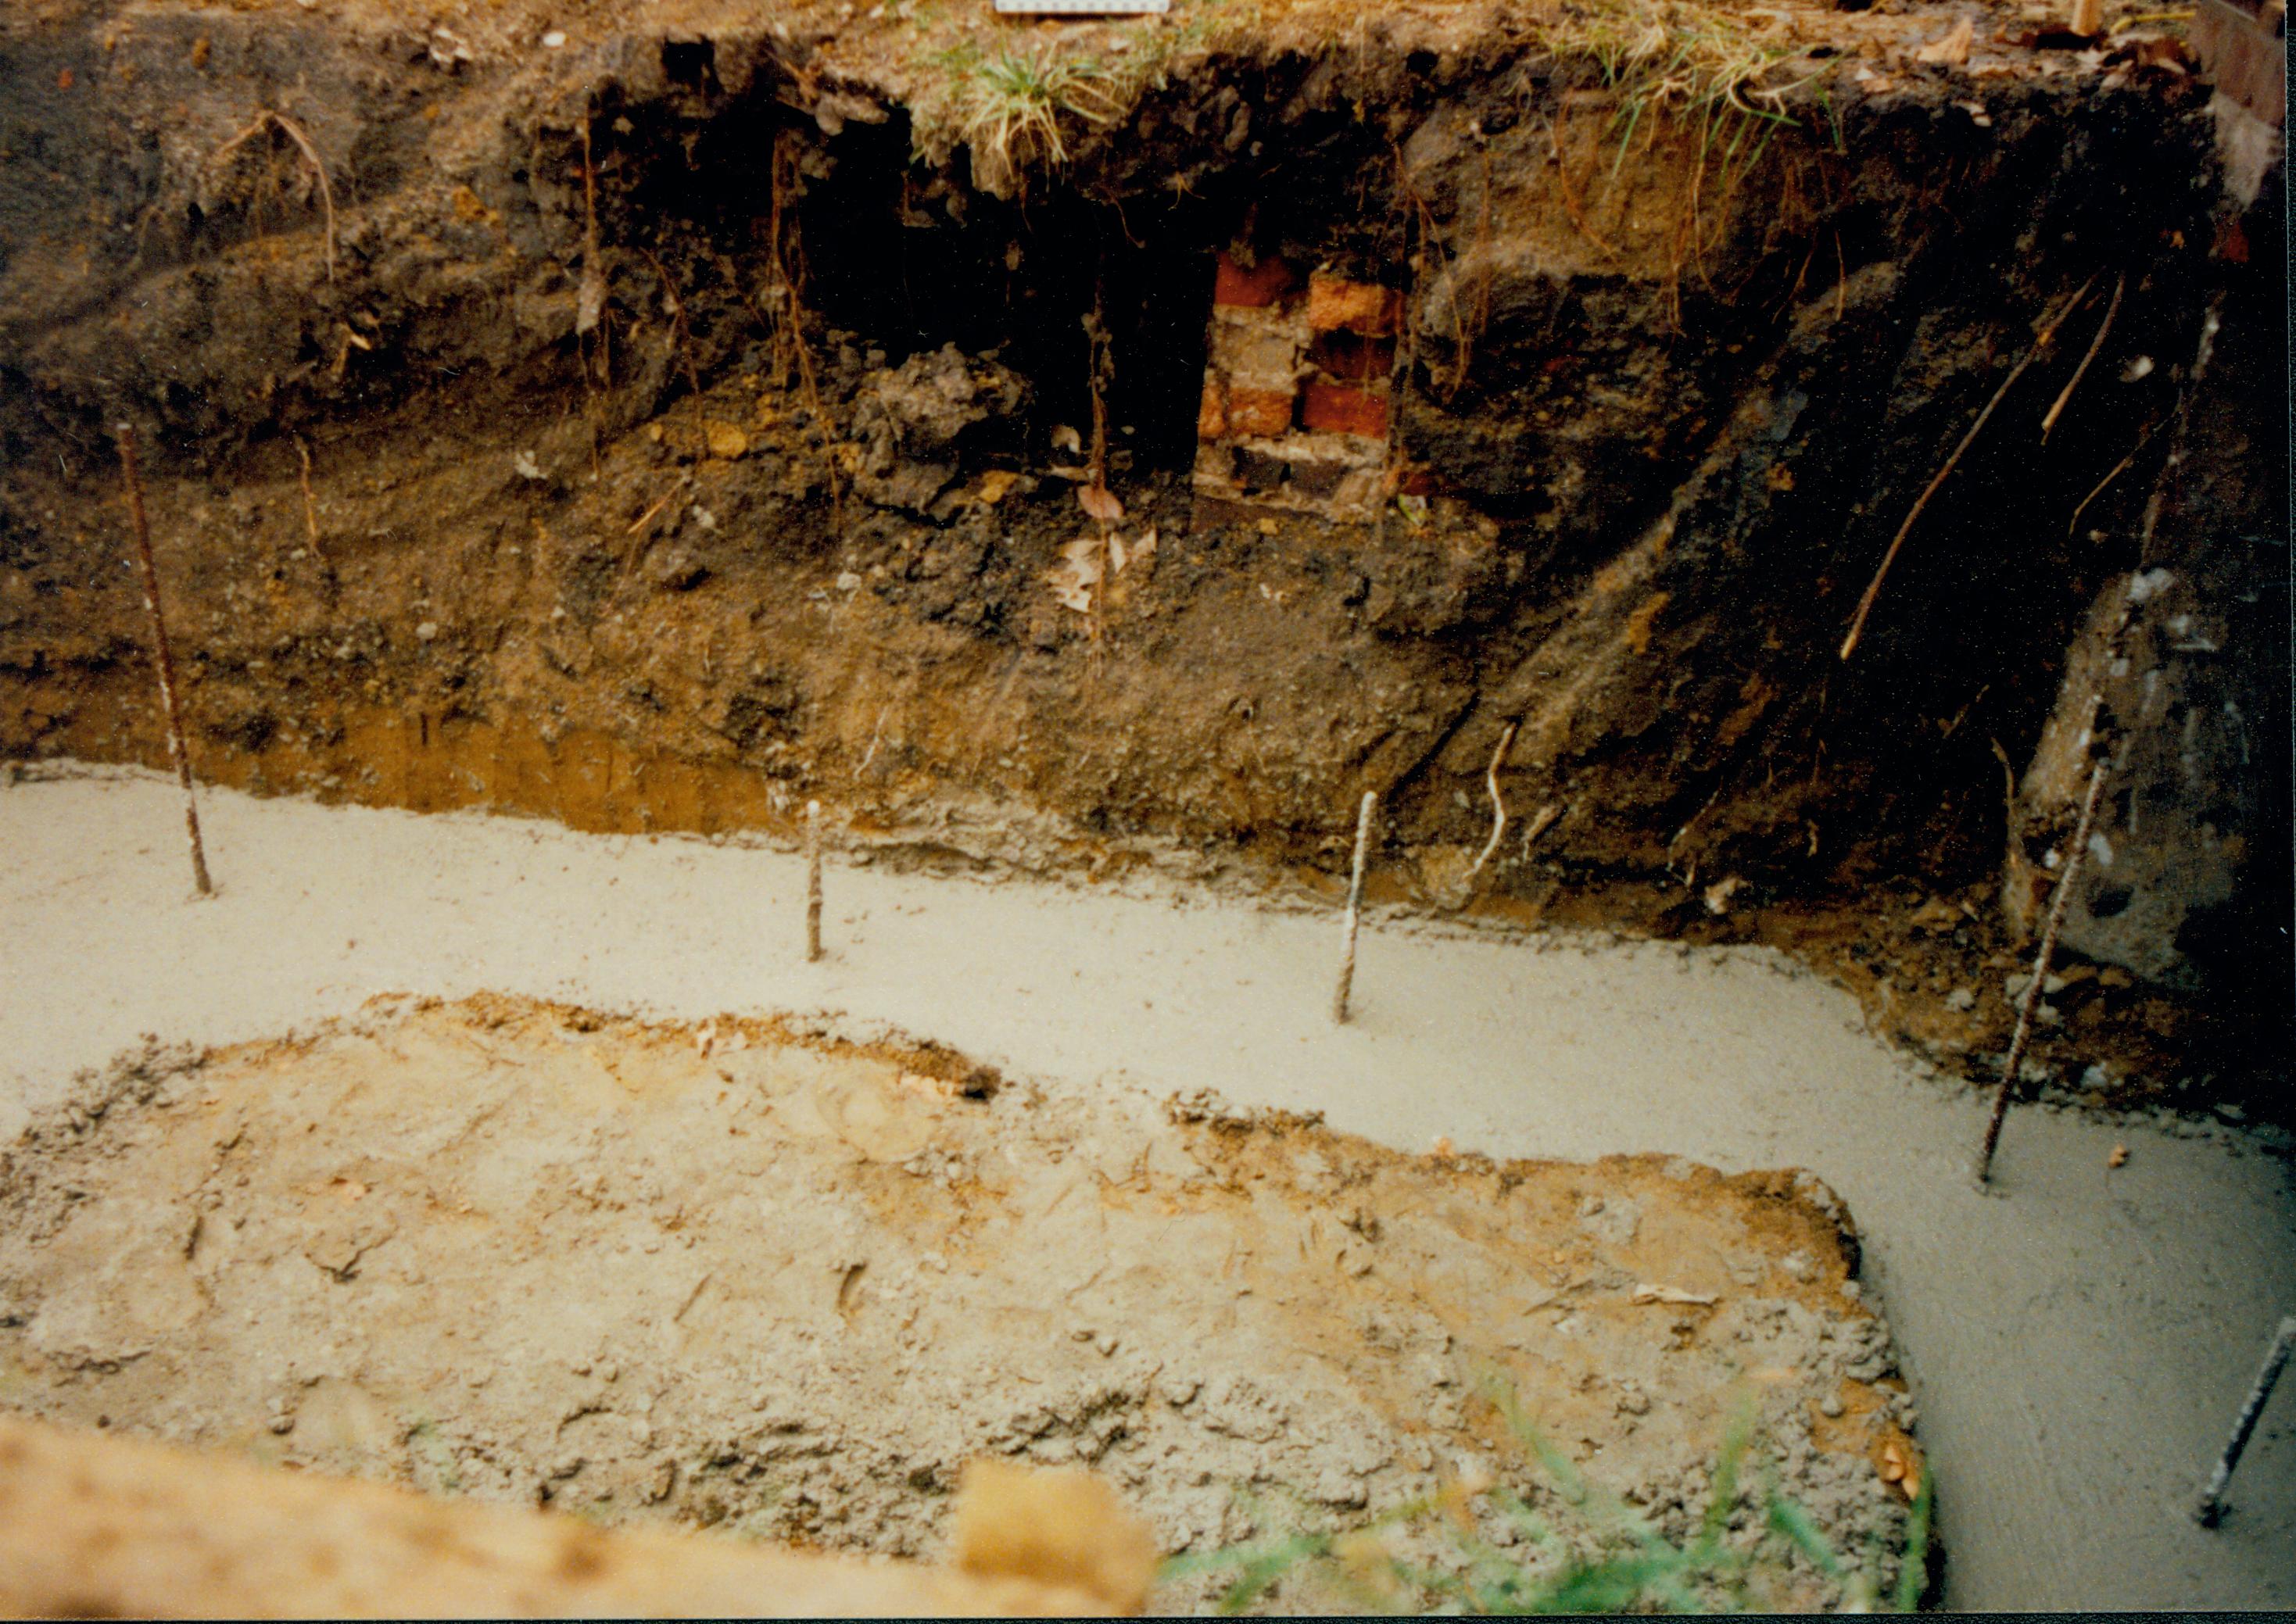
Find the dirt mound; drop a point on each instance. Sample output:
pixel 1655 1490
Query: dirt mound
pixel 722 1276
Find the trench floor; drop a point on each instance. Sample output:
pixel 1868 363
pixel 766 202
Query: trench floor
pixel 2077 1340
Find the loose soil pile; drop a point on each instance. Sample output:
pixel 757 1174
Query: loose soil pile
pixel 734 1275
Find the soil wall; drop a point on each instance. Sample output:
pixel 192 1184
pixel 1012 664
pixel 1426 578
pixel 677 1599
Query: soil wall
pixel 660 426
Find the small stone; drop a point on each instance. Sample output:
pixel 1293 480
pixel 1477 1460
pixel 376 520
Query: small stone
pixel 1960 999
pixel 848 581
pixel 1830 1407
pixel 553 39
pixel 428 630
pixel 675 569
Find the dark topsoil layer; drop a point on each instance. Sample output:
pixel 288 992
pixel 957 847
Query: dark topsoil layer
pixel 729 545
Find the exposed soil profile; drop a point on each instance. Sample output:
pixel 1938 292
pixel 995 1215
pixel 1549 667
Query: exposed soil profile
pixel 721 1276
pixel 654 421
pixel 1737 489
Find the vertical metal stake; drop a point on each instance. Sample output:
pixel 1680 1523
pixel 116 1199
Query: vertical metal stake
pixel 812 881
pixel 2211 1506
pixel 2025 1004
pixel 166 659
pixel 1354 907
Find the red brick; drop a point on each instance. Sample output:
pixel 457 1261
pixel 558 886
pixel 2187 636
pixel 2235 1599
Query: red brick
pixel 1261 412
pixel 1211 412
pixel 1347 357
pixel 1334 305
pixel 1331 408
pixel 1265 283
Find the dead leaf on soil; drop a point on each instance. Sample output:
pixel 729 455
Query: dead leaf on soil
pixel 1900 1468
pixel 1952 49
pixel 1938 914
pixel 993 484
pixel 1078 573
pixel 1101 503
pixel 1122 553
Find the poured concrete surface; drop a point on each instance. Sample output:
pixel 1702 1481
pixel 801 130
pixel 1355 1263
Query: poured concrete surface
pixel 2078 1340
pixel 714 1276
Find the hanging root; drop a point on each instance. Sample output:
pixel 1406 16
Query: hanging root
pixel 1498 816
pixel 1873 587
pixel 2095 344
pixel 269 119
pixel 310 503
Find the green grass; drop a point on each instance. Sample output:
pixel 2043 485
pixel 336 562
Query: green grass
pixel 1019 108
pixel 1596 1555
pixel 1012 107
pixel 1708 67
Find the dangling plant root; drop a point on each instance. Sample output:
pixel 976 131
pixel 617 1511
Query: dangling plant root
pixel 270 119
pixel 1873 588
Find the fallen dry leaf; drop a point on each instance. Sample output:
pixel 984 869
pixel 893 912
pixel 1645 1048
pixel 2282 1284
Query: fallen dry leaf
pixel 1900 1468
pixel 1101 503
pixel 1078 573
pixel 993 484
pixel 1952 48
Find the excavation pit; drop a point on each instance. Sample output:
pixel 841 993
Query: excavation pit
pixel 747 1276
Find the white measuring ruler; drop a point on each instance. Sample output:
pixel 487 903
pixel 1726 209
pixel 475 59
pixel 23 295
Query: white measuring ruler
pixel 1083 8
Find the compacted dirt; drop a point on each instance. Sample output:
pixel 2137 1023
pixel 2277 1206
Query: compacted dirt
pixel 728 1275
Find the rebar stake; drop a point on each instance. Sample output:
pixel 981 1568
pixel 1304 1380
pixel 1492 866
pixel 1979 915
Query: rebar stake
pixel 2032 996
pixel 1355 907
pixel 812 881
pixel 167 660
pixel 2210 1507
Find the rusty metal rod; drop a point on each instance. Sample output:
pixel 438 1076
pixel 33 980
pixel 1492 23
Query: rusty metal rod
pixel 177 753
pixel 812 881
pixel 1354 909
pixel 2209 1508
pixel 2032 995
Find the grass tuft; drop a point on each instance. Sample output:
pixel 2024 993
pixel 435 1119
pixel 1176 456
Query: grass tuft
pixel 1008 106
pixel 1599 1555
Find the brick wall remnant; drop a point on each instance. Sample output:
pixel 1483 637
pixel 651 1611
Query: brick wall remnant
pixel 1297 377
